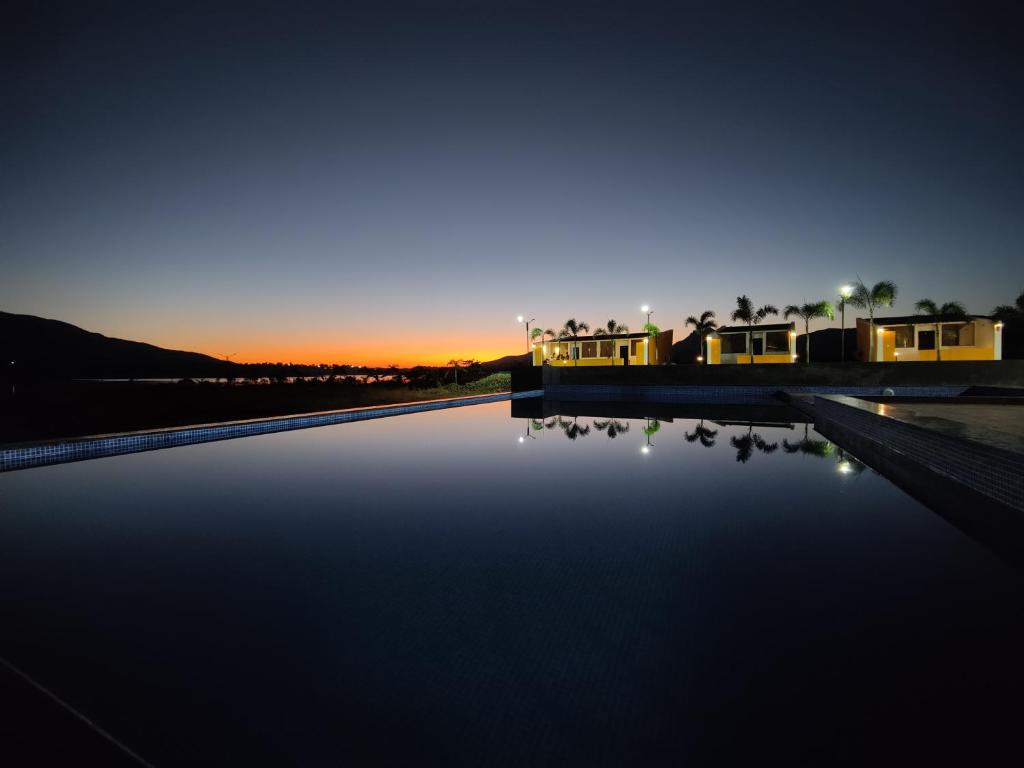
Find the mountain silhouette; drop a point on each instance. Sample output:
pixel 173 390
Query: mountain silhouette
pixel 41 347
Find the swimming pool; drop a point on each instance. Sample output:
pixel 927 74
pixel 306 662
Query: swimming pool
pixel 465 588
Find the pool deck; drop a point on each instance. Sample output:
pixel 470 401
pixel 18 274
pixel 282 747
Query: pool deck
pixel 979 446
pixel 1001 426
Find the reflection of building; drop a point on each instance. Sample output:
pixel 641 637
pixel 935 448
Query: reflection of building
pixel 916 337
pixel 620 349
pixel 774 343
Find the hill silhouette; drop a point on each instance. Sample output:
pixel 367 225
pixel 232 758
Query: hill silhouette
pixel 42 347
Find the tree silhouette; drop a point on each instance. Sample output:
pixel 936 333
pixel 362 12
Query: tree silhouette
pixel 703 325
pixel 808 312
pixel 881 294
pixel 951 309
pixel 746 314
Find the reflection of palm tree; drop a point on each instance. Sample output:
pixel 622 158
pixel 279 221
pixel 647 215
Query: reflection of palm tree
pixel 847 463
pixel 704 434
pixel 746 444
pixel 809 446
pixel 574 430
pixel 613 427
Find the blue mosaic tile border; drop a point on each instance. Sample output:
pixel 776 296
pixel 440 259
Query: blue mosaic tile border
pixel 738 395
pixel 990 471
pixel 42 454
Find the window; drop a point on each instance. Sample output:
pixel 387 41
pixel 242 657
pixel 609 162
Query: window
pixel 904 336
pixel 606 348
pixel 734 343
pixel 926 339
pixel 635 347
pixel 590 349
pixel 960 335
pixel 776 342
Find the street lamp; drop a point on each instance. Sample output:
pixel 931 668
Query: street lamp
pixel 649 311
pixel 844 294
pixel 521 319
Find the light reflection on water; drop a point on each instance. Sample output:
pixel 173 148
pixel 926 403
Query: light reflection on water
pixel 469 588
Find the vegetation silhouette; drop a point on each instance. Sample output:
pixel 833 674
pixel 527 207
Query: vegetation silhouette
pixel 746 314
pixel 881 294
pixel 612 427
pixel 953 310
pixel 703 325
pixel 809 446
pixel 808 312
pixel 745 445
pixel 611 328
pixel 705 435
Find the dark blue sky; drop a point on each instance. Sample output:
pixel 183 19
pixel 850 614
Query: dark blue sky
pixel 374 181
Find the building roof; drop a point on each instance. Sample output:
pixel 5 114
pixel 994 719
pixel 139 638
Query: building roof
pixel 922 319
pixel 744 329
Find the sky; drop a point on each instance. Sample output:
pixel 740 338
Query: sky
pixel 387 182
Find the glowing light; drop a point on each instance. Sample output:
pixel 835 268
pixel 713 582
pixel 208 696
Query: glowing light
pixel 998 327
pixel 845 291
pixel 881 330
pixel 845 467
pixel 645 449
pixel 645 308
pixel 792 334
pixel 700 358
pixel 519 318
pixel 522 439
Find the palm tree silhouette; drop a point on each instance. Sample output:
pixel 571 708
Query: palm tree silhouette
pixel 572 329
pixel 705 435
pixel 703 325
pixel 574 430
pixel 809 446
pixel 611 328
pixel 745 445
pixel 881 294
pixel 954 310
pixel 745 313
pixel 808 312
pixel 613 427
pixel 1010 312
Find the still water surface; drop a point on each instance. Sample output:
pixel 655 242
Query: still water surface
pixel 464 588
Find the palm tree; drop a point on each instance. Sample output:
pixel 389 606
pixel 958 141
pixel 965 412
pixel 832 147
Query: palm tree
pixel 572 429
pixel 810 312
pixel 809 446
pixel 745 313
pixel 652 332
pixel 611 328
pixel 881 294
pixel 952 310
pixel 572 329
pixel 1010 312
pixel 613 427
pixel 745 445
pixel 704 434
pixel 455 366
pixel 703 325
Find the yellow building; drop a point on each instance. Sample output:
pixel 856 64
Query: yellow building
pixel 738 344
pixel 917 338
pixel 620 349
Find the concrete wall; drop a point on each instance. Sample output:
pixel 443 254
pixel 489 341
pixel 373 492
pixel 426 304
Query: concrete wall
pixel 1003 373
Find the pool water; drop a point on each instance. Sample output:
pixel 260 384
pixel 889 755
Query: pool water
pixel 465 588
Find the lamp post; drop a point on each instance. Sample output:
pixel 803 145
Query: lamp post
pixel 521 319
pixel 649 312
pixel 844 294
